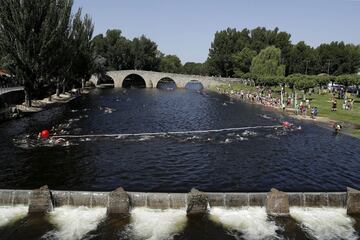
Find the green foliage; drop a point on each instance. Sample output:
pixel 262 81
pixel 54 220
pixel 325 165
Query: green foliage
pixel 303 59
pixel 123 54
pixel 192 68
pixel 347 80
pixel 242 60
pixel 42 43
pixel 145 54
pixel 115 48
pixel 267 63
pixel 170 64
pixel 226 43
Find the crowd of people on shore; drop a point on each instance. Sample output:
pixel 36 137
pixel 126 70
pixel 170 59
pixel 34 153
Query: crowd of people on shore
pixel 261 96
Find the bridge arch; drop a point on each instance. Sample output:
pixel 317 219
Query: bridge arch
pixel 134 81
pixel 194 85
pixel 105 79
pixel 166 83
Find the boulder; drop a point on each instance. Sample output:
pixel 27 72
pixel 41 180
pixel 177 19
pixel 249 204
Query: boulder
pixel 41 201
pixel 353 201
pixel 277 203
pixel 119 203
pixel 197 202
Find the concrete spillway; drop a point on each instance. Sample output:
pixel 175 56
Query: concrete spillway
pixel 74 214
pixel 175 200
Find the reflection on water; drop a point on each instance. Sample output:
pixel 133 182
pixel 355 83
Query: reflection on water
pixel 306 159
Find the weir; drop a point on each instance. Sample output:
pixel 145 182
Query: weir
pixel 181 200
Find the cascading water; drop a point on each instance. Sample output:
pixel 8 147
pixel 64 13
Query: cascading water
pixel 250 222
pixel 74 222
pixel 325 223
pixel 153 224
pixel 10 214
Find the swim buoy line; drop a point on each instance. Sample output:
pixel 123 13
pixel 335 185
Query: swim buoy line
pixel 166 133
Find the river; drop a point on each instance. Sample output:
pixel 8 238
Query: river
pixel 310 159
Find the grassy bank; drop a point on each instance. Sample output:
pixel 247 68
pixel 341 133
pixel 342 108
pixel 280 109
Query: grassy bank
pixel 349 118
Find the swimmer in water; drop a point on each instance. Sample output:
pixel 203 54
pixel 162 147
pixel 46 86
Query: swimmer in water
pixel 337 127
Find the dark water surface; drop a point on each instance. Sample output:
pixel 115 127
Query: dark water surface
pixel 311 159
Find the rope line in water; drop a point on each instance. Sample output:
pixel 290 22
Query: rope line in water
pixel 164 133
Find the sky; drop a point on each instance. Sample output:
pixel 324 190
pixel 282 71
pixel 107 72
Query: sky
pixel 186 28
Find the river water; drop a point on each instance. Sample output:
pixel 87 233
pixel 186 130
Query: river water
pixel 310 159
pixel 303 158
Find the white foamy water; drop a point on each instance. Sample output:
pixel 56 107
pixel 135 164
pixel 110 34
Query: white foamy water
pixel 10 214
pixel 74 222
pixel 250 221
pixel 153 224
pixel 325 223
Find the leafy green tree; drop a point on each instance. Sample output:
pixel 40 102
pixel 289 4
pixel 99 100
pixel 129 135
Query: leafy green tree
pixel 267 63
pixel 305 83
pixel 115 48
pixel 338 58
pixel 225 44
pixel 145 54
pixel 32 33
pixel 303 59
pixel 82 60
pixel 170 64
pixel 242 60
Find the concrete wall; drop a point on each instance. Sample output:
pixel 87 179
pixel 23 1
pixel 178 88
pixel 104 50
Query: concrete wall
pixel 152 78
pixel 176 200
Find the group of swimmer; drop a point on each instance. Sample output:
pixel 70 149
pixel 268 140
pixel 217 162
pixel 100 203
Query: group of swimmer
pixel 45 138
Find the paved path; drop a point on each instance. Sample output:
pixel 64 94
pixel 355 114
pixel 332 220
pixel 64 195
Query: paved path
pixel 10 89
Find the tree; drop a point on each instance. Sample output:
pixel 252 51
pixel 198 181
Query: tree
pixel 304 83
pixel 338 58
pixel 82 60
pixel 170 64
pixel 225 44
pixel 145 54
pixel 115 48
pixel 267 63
pixel 242 60
pixel 303 59
pixel 32 34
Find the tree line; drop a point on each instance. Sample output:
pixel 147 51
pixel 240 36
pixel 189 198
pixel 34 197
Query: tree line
pixel 232 54
pixel 47 47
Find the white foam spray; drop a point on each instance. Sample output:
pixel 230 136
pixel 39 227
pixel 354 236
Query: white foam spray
pixel 153 224
pixel 10 214
pixel 74 222
pixel 325 223
pixel 250 221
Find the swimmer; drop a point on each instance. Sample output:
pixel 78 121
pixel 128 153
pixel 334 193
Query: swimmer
pixel 337 127
pixel 59 141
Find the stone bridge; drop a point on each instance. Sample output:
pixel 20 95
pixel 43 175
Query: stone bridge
pixel 151 79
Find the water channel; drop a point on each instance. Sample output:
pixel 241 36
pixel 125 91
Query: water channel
pixel 304 158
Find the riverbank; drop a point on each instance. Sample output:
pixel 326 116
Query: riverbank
pixel 22 110
pixel 349 119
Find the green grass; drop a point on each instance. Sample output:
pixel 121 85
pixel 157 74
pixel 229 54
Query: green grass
pixel 323 102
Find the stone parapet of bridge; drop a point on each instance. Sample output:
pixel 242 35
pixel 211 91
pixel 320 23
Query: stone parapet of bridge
pixel 152 78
